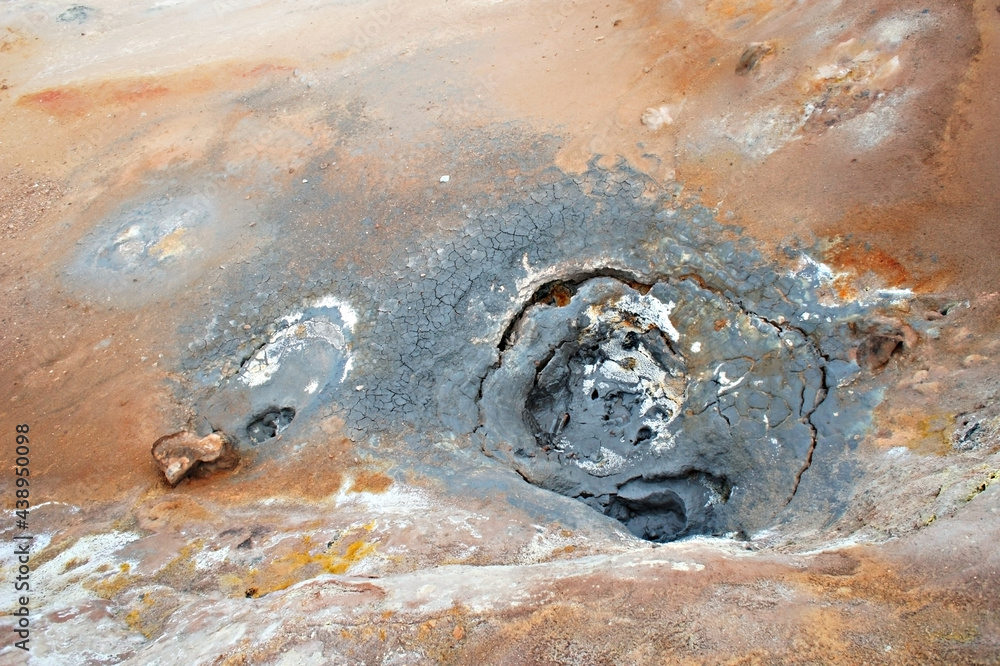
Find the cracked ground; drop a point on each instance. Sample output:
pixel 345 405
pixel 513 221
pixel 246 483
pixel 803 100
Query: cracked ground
pixel 557 332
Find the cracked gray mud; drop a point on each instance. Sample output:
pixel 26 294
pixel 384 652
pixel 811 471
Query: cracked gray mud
pixel 727 379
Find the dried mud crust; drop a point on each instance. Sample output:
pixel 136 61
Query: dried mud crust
pixel 433 339
pixel 437 325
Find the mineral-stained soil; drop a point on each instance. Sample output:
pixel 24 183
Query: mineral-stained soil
pixel 553 332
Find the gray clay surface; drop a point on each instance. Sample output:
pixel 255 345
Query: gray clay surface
pixel 735 387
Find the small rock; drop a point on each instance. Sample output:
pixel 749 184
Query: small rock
pixel 184 452
pixel 655 118
pixel 445 179
pixel 876 350
pixel 752 55
pixel 973 359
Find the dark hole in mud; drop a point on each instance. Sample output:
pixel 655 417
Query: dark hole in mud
pixel 269 424
pixel 661 517
pixel 645 432
pixel 666 509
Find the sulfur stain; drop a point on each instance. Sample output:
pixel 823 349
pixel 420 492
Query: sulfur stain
pixel 108 588
pixel 74 563
pixel 142 619
pixel 12 39
pixel 139 93
pixel 301 564
pixel 182 569
pixel 966 635
pixel 170 245
pixel 173 512
pixel 921 433
pixel 982 486
pixel 728 10
pixel 58 102
pixel 858 259
pixel 76 101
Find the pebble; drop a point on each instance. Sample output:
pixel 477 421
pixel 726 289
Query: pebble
pixel 973 359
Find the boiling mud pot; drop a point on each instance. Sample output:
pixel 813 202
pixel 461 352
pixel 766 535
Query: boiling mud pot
pixel 665 406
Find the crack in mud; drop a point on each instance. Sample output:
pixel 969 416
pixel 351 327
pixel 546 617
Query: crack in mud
pixel 820 397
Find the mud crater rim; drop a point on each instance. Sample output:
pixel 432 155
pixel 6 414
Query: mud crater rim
pixel 654 503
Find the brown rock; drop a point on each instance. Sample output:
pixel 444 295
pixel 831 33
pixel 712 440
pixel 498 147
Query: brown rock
pixel 876 350
pixel 973 359
pixel 183 452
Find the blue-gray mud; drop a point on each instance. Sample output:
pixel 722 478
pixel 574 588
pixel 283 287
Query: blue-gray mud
pixel 602 335
pixel 145 247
